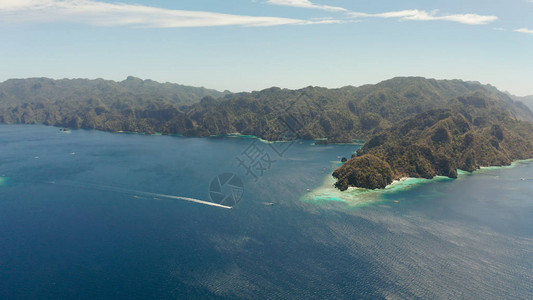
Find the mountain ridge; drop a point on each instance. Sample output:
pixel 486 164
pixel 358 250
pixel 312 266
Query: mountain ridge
pixel 471 133
pixel 39 89
pixel 527 100
pixel 338 115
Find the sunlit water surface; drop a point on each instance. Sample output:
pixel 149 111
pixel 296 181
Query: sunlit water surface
pixel 72 225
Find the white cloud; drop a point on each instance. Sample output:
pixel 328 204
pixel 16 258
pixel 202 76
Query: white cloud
pixel 99 13
pixel 305 4
pixel 404 15
pixel 422 15
pixel 524 30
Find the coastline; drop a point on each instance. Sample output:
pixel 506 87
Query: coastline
pixel 360 197
pixel 356 142
pixel 229 135
pixel 512 165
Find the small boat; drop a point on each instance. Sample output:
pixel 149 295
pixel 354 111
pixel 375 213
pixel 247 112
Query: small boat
pixel 269 203
pixel 64 129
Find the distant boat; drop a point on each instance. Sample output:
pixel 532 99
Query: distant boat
pixel 269 203
pixel 64 129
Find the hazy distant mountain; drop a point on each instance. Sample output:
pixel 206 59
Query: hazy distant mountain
pixel 527 100
pixel 130 92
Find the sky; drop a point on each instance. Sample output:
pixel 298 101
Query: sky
pixel 244 45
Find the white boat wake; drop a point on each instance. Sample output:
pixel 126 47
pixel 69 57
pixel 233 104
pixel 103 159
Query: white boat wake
pixel 146 194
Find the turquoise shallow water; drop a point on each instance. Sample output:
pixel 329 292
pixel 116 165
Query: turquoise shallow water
pixel 356 197
pixel 73 226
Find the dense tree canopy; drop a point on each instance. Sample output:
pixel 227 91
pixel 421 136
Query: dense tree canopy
pixel 339 115
pixel 474 131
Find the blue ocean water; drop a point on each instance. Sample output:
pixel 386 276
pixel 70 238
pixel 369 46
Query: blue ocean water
pixel 74 225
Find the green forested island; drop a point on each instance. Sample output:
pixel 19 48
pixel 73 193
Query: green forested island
pixel 473 132
pixel 413 127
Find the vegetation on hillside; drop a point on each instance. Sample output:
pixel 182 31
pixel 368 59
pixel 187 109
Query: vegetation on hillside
pixel 473 131
pixel 338 115
pixel 130 105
